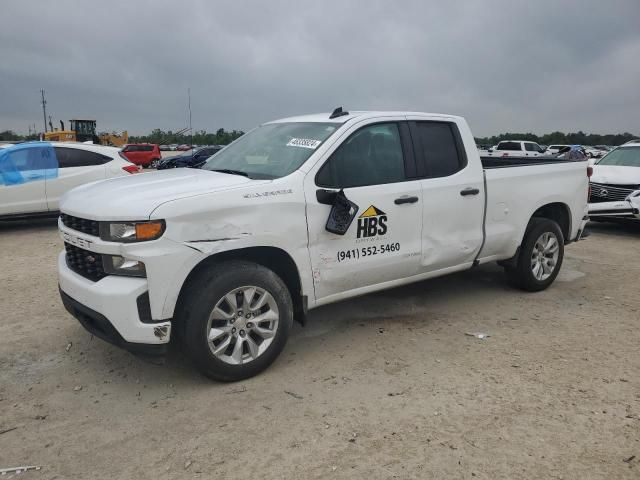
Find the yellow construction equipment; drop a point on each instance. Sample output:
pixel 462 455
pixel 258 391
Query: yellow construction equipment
pixel 85 131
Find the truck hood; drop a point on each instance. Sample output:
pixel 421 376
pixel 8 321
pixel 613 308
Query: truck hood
pixel 614 175
pixel 135 197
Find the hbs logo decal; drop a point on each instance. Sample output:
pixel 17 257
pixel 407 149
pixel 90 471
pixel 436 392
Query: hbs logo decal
pixel 372 222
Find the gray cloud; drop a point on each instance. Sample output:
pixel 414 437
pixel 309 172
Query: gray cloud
pixel 505 65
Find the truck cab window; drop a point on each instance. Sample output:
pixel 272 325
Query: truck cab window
pixel 509 146
pixel 437 144
pixel 371 156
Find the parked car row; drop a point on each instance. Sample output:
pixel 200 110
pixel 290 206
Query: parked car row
pixel 519 148
pixel 173 147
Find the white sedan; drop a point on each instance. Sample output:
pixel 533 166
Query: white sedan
pixel 34 175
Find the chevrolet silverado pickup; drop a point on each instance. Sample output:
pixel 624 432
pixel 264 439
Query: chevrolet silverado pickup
pixel 299 213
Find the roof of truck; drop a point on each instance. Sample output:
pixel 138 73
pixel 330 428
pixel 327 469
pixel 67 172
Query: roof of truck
pixel 324 117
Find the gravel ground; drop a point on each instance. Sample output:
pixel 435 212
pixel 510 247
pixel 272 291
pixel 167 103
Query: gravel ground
pixel 383 386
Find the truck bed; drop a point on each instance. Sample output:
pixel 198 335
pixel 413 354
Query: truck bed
pixel 513 194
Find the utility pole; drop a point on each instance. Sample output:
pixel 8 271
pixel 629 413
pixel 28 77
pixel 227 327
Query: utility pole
pixel 190 129
pixel 44 109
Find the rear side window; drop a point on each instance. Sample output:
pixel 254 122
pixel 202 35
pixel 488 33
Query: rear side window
pixel 73 157
pixel 439 144
pixel 146 148
pixel 371 156
pixel 509 146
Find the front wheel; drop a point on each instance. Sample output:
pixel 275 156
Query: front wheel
pixel 237 320
pixel 154 163
pixel 540 257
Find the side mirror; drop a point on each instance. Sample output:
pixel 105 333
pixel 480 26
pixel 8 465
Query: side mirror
pixel 326 197
pixel 343 211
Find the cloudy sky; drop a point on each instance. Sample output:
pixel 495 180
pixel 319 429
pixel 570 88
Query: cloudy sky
pixel 505 65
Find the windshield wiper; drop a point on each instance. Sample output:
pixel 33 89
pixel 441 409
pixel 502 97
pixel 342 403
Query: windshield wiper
pixel 231 172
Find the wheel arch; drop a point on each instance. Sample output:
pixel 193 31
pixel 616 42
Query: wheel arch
pixel 558 212
pixel 273 258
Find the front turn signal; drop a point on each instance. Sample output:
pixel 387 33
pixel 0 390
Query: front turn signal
pixel 149 230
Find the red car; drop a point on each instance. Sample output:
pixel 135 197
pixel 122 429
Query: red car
pixel 143 154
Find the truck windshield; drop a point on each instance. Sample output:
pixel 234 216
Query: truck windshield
pixel 273 150
pixel 622 157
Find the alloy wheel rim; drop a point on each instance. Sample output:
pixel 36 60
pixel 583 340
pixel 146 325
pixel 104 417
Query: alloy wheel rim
pixel 242 325
pixel 544 257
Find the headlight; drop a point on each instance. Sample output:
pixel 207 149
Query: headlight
pixel 131 231
pixel 117 265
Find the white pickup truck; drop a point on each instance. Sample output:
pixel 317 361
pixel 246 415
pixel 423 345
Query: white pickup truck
pixel 517 148
pixel 299 213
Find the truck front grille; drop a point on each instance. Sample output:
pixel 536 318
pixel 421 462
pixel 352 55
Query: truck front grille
pixel 90 227
pixel 85 263
pixel 601 192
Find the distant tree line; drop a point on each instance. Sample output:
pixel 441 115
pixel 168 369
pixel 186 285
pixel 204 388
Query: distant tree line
pixel 202 137
pixel 555 138
pixel 10 135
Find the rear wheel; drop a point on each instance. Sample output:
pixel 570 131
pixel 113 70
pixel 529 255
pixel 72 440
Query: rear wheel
pixel 154 163
pixel 540 257
pixel 237 320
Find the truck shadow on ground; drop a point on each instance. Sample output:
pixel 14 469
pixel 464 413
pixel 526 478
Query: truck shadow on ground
pixel 49 222
pixel 406 306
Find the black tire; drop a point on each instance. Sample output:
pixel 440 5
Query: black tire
pixel 204 292
pixel 154 163
pixel 521 275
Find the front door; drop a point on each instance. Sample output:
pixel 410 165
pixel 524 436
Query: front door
pixel 382 243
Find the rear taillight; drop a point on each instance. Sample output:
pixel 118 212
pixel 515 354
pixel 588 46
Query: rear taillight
pixel 131 168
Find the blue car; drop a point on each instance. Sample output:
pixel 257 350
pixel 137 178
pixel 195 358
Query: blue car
pixel 192 159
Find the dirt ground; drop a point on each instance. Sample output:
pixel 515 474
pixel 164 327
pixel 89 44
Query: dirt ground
pixel 383 386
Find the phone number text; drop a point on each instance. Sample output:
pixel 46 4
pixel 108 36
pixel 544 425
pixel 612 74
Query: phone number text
pixel 357 253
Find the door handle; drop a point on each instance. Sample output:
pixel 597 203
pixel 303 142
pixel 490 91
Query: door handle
pixel 405 199
pixel 469 191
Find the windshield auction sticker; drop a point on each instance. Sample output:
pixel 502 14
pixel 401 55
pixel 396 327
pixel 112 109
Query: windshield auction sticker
pixel 304 143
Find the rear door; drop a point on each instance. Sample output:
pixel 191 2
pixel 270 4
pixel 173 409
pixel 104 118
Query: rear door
pixel 452 192
pixel 23 173
pixel 75 167
pixel 376 171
